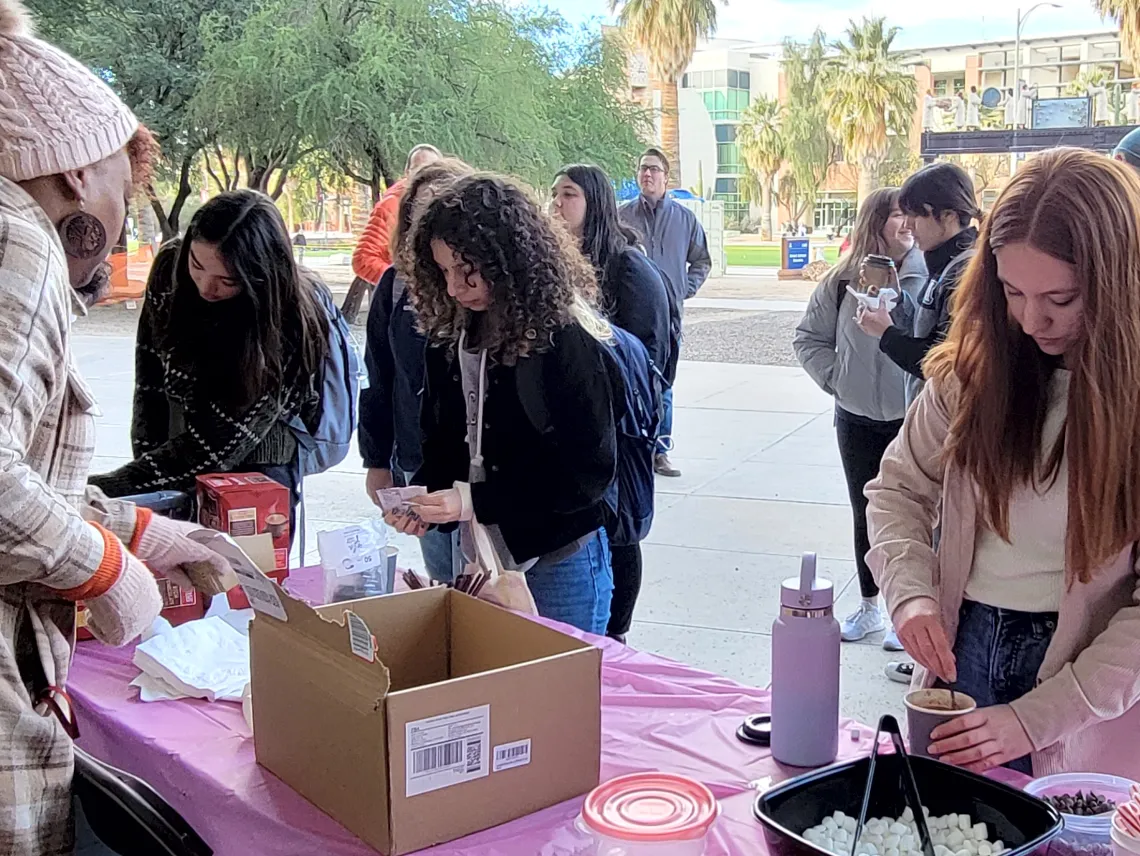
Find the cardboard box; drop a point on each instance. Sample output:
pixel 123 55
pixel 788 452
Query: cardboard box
pixel 467 716
pixel 178 607
pixel 245 505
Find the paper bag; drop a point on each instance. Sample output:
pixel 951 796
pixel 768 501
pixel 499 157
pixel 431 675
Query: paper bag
pixel 504 588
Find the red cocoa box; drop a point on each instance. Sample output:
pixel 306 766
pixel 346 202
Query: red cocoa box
pixel 244 505
pixel 178 607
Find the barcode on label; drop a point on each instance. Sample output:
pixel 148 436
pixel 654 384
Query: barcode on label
pixel 474 755
pixel 360 637
pixel 437 757
pixel 511 755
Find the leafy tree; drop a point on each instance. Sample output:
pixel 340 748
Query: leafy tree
pixel 763 149
pixel 668 31
pixel 869 97
pixel 811 149
pixel 150 51
pixel 1126 13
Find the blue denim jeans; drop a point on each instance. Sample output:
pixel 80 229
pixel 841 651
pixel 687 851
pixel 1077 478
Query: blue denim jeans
pixel 576 590
pixel 665 432
pixel 999 652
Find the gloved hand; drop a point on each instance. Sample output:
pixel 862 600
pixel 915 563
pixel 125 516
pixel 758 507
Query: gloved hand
pixel 128 607
pixel 164 546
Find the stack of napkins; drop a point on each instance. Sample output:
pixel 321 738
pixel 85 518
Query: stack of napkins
pixel 208 658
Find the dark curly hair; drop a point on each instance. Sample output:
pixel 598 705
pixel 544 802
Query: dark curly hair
pixel 539 281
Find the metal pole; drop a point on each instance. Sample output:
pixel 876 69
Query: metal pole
pixel 1017 72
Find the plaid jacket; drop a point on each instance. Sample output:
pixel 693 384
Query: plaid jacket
pixel 47 434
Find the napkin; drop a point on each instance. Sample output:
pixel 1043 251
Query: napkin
pixel 206 659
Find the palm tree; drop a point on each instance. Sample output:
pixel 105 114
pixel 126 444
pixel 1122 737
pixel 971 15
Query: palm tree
pixel 869 97
pixel 668 31
pixel 1127 15
pixel 762 149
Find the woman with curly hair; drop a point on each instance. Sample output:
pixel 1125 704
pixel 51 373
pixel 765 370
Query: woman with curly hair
pixel 518 423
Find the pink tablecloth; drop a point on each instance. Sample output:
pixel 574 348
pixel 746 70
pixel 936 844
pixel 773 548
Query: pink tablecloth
pixel 656 715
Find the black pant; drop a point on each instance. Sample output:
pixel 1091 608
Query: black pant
pixel 626 562
pixel 862 443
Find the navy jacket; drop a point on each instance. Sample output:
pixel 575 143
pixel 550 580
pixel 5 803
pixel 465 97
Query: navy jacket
pixel 635 298
pixel 394 358
pixel 674 240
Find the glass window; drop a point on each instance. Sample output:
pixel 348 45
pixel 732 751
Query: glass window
pixel 733 78
pixel 726 133
pixel 745 80
pixel 940 88
pixel 720 78
pixel 685 81
pixel 727 158
pixel 720 99
pixel 959 85
pixel 726 185
pixel 710 100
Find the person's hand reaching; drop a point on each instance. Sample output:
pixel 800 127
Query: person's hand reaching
pixel 919 625
pixel 443 506
pixel 375 481
pixel 168 550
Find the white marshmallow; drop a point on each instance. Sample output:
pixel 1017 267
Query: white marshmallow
pixel 829 823
pixel 980 832
pixel 897 828
pixel 985 849
pixel 955 839
pixel 964 821
pixel 907 815
pixel 962 852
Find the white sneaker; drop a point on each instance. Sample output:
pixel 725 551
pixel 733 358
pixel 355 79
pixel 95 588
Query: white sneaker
pixel 891 640
pixel 864 621
pixel 900 673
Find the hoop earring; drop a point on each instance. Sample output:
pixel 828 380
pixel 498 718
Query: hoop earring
pixel 82 235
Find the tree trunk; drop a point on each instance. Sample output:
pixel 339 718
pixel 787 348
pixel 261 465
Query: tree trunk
pixel 766 207
pixel 671 131
pixel 868 178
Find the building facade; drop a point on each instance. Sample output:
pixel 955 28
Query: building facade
pixel 726 75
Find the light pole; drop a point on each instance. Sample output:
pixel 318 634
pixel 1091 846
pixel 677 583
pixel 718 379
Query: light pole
pixel 1017 57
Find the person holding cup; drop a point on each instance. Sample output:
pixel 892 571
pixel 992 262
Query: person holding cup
pixel 1024 447
pixel 868 387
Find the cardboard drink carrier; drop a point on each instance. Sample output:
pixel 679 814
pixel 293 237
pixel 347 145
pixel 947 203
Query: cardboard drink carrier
pixel 417 718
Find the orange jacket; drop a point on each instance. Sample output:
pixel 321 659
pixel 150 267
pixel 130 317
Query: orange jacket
pixel 373 254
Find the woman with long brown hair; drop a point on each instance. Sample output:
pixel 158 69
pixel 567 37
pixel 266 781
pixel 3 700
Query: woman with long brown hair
pixel 1025 448
pixel 869 388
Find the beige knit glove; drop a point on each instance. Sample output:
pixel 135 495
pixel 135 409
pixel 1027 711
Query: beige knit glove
pixel 122 597
pixel 168 551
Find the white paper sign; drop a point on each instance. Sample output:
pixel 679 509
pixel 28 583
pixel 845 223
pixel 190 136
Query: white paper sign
pixel 360 638
pixel 511 755
pixel 259 589
pixel 448 750
pixel 357 549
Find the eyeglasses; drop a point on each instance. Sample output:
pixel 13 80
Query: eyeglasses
pixel 651 168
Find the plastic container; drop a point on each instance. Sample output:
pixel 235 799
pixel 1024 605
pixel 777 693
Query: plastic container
pixel 649 814
pixel 1082 836
pixel 1022 822
pixel 1124 844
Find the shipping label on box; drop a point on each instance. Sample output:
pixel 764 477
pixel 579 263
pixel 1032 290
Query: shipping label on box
pixel 447 750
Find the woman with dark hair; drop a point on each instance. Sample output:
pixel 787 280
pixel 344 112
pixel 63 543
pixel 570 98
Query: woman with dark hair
pixel 634 297
pixel 1024 450
pixel 231 346
pixel 869 389
pixel 394 357
pixel 518 421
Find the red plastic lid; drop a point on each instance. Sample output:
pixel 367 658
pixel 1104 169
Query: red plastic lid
pixel 651 807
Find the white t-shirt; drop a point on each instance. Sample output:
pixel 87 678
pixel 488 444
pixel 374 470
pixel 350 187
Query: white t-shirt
pixel 1027 573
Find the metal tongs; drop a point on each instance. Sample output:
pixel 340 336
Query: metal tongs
pixel 910 788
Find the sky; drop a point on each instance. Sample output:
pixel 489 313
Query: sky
pixel 923 22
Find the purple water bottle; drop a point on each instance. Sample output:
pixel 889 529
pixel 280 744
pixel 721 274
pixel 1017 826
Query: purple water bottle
pixel 805 671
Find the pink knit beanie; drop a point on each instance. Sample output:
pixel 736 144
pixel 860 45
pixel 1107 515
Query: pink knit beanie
pixel 55 114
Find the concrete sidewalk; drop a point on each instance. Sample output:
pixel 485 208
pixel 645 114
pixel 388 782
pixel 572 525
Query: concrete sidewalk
pixel 762 483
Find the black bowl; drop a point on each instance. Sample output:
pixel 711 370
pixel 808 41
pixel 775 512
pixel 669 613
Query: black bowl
pixel 1023 823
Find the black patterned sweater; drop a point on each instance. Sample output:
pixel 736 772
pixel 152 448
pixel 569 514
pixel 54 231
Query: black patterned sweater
pixel 178 429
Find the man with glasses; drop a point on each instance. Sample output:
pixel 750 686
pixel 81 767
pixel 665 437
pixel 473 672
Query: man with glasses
pixel 675 241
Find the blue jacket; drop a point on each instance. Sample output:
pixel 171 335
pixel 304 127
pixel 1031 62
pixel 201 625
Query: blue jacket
pixel 394 357
pixel 674 240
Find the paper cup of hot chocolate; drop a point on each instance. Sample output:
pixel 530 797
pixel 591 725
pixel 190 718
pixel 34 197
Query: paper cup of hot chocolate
pixel 276 525
pixel 927 709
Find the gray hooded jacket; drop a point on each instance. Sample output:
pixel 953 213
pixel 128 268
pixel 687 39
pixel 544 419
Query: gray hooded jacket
pixel 845 361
